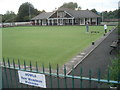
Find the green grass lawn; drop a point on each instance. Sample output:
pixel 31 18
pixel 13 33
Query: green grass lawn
pixel 51 44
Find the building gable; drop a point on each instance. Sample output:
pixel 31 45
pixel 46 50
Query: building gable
pixel 60 14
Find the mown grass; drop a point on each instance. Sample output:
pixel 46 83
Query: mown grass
pixel 44 45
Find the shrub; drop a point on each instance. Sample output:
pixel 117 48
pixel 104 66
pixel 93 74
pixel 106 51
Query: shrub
pixel 119 28
pixel 115 69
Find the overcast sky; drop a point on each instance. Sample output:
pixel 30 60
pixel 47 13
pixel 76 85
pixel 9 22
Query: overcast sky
pixel 49 5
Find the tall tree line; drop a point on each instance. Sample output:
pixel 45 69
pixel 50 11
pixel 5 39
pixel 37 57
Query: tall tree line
pixel 27 11
pixel 111 14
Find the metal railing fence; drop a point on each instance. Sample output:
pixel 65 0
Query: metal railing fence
pixel 53 80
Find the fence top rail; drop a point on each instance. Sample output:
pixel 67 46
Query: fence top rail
pixel 67 76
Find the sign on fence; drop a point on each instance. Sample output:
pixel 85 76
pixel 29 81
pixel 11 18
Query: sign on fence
pixel 32 79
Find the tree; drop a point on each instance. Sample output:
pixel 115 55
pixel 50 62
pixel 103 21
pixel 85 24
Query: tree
pixel 1 18
pixel 111 14
pixel 9 16
pixel 70 5
pixel 79 8
pixel 94 10
pixel 26 12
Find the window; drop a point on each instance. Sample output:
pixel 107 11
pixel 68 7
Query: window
pixel 82 21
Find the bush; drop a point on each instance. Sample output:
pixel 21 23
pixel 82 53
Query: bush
pixel 115 69
pixel 119 28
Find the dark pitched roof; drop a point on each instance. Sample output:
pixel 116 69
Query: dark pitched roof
pixel 74 13
pixel 43 15
pixel 79 13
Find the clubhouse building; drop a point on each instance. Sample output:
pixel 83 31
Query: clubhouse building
pixel 65 16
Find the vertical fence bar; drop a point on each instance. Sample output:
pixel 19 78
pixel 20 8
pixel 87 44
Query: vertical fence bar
pixel 2 80
pixel 99 77
pixel 15 73
pixel 119 70
pixel 19 64
pixel 108 76
pixel 13 64
pixel 65 77
pixel 24 65
pixel 10 72
pixel 58 82
pixel 30 66
pixel 50 72
pixel 4 63
pixel 119 75
pixel 8 63
pixel 90 75
pixel 19 67
pixel 81 71
pixel 25 69
pixel 43 68
pixel 73 77
pixel 31 70
pixel 36 67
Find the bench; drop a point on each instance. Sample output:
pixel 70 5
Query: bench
pixel 114 45
pixel 94 31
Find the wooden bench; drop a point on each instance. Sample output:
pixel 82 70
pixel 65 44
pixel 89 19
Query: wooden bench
pixel 114 45
pixel 94 31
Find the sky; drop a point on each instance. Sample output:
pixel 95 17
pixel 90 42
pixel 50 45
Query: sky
pixel 50 5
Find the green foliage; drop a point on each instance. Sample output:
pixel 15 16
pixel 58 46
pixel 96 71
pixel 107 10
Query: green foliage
pixel 115 69
pixel 26 10
pixel 0 18
pixel 10 16
pixel 111 14
pixel 70 5
pixel 94 10
pixel 119 28
pixel 118 14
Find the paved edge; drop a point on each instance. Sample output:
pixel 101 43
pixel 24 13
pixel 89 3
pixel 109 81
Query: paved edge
pixel 88 51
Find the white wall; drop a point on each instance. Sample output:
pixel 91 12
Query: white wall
pixel 15 24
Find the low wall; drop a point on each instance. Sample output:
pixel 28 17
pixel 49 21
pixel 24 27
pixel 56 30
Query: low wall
pixel 15 24
pixel 109 23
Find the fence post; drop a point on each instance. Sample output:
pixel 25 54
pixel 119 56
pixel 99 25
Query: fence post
pixel 90 74
pixel 65 76
pixel 36 67
pixel 81 71
pixel 10 73
pixel 58 76
pixel 19 64
pixel 13 64
pixel 73 77
pixel 50 72
pixel 24 65
pixel 30 66
pixel 99 77
pixel 8 63
pixel 19 67
pixel 15 73
pixel 43 68
pixel 119 66
pixel 5 73
pixel 1 76
pixel 108 76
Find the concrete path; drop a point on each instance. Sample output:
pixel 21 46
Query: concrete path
pixel 99 58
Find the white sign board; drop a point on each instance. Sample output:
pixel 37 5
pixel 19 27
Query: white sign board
pixel 32 79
